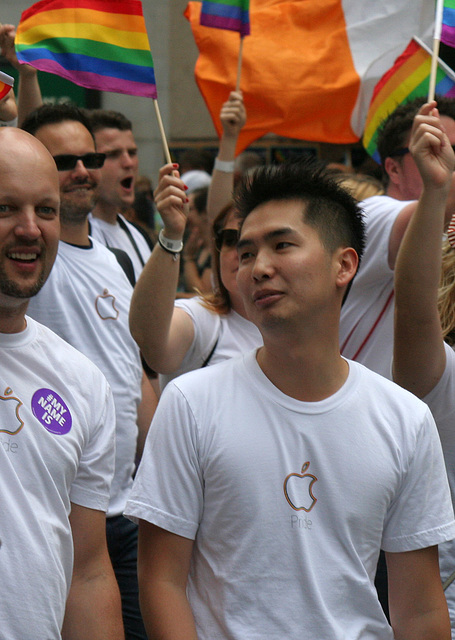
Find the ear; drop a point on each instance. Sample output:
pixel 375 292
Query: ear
pixel 347 262
pixel 392 167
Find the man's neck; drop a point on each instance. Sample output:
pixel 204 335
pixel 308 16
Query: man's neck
pixel 105 211
pixel 306 373
pixel 75 234
pixel 12 319
pixel 394 192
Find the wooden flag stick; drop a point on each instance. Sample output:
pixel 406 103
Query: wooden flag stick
pixel 436 43
pixel 239 65
pixel 167 154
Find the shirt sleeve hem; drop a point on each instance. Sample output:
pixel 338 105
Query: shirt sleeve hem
pixel 136 511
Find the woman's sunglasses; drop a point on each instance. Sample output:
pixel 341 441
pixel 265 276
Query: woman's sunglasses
pixel 226 239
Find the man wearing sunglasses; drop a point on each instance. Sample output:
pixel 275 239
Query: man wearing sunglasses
pixel 366 329
pixel 86 301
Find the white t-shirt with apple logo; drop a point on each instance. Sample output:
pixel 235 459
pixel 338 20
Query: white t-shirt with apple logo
pixel 289 502
pixel 57 446
pixel 86 301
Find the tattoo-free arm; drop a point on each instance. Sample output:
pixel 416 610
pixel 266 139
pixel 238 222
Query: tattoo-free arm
pixel 93 608
pixel 417 605
pixel 163 565
pixel 419 356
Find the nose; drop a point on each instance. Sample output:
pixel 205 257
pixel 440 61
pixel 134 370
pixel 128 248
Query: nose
pixel 27 225
pixel 263 266
pixel 127 160
pixel 80 170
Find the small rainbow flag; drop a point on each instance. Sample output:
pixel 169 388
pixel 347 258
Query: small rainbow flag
pixel 409 78
pixel 6 84
pixel 97 44
pixel 227 14
pixel 448 23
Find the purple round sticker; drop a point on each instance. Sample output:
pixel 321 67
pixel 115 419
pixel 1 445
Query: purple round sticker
pixel 53 413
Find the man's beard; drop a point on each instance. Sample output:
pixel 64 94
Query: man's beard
pixel 11 288
pixel 75 213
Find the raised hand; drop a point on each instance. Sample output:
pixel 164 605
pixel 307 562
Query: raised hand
pixel 233 114
pixel 171 201
pixel 431 148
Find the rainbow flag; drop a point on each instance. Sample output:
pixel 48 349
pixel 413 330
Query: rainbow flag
pixel 6 84
pixel 97 44
pixel 227 14
pixel 409 78
pixel 448 23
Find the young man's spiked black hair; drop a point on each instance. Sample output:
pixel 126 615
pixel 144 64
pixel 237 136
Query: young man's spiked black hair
pixel 328 208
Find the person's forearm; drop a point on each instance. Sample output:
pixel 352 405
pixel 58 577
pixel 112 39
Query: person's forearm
pixel 418 266
pixel 29 93
pixel 432 625
pixel 166 613
pixel 94 610
pixel 152 306
pixel 418 351
pixel 222 183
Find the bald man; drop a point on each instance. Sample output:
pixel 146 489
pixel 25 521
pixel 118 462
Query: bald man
pixel 56 430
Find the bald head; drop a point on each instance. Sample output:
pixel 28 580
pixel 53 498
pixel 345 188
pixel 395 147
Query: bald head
pixel 29 216
pixel 19 151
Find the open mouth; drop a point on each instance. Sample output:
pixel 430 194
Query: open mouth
pixel 127 183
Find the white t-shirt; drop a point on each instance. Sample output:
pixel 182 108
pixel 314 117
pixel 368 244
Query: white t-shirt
pixel 289 502
pixel 232 333
pixel 366 325
pixel 441 401
pixel 86 301
pixel 56 445
pixel 112 235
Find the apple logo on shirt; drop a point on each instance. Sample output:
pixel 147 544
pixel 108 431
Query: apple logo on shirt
pixel 15 422
pixel 298 489
pixel 105 306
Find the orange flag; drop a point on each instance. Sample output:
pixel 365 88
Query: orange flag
pixel 305 64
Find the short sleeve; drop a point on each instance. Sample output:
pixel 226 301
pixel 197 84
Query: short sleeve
pixel 206 332
pixel 381 213
pixel 92 484
pixel 424 496
pixel 168 488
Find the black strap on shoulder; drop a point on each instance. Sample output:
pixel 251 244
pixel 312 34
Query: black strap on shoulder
pixel 122 258
pixel 144 234
pixel 125 262
pixel 207 360
pixel 125 228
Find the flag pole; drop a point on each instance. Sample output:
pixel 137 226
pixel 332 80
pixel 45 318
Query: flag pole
pixel 436 43
pixel 167 154
pixel 239 64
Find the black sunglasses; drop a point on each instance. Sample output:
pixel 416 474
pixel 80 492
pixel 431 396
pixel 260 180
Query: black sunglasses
pixel 404 151
pixel 226 238
pixel 67 161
